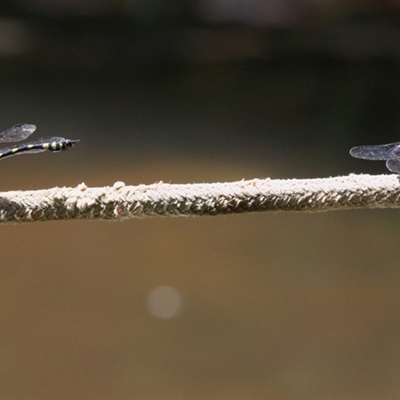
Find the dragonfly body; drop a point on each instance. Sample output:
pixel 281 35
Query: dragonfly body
pixel 22 131
pixel 389 152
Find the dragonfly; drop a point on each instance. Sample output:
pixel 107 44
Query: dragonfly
pixel 21 131
pixel 389 152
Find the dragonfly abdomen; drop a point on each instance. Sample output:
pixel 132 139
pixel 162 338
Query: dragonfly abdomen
pixel 51 144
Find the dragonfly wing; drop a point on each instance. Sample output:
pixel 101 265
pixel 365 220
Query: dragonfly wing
pixel 31 151
pixel 48 139
pixel 393 165
pixel 17 133
pixel 378 152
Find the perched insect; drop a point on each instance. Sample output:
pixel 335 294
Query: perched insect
pixel 22 131
pixel 389 152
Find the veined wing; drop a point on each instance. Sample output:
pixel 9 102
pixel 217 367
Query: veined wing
pixel 389 151
pixel 393 165
pixel 17 133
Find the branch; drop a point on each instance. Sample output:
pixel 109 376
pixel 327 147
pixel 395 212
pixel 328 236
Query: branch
pixel 161 199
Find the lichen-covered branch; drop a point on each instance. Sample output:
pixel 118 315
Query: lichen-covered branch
pixel 161 199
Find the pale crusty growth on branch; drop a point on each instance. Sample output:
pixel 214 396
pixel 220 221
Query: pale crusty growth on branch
pixel 120 202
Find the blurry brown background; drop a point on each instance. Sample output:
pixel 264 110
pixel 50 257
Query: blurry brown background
pixel 246 306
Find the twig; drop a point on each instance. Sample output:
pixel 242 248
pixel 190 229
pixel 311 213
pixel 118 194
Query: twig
pixel 160 199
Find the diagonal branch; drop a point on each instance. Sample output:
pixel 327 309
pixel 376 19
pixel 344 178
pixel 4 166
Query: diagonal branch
pixel 161 199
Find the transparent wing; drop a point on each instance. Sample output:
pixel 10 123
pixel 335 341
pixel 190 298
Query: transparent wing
pixel 47 139
pixel 26 152
pixel 378 152
pixel 393 165
pixel 17 133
